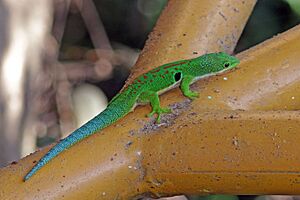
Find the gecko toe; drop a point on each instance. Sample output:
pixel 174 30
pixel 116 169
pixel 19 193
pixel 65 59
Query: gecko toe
pixel 159 112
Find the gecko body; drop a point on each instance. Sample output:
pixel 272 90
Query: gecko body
pixel 145 89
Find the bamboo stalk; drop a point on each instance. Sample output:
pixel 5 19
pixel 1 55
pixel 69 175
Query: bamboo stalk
pixel 242 140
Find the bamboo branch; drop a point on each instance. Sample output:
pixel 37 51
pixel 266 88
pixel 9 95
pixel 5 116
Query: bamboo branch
pixel 241 140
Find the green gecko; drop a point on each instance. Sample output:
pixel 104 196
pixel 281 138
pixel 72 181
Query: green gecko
pixel 145 89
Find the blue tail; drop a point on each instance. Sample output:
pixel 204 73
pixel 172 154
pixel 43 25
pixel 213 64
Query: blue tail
pixel 111 114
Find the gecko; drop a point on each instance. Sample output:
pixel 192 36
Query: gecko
pixel 146 88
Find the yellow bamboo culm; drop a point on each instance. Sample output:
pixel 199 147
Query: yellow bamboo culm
pixel 239 137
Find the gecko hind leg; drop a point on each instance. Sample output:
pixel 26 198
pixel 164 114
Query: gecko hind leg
pixel 153 98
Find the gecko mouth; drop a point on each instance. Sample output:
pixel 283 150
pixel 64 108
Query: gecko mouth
pixel 226 70
pixel 236 62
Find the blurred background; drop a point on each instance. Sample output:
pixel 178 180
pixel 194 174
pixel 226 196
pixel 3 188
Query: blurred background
pixel 61 61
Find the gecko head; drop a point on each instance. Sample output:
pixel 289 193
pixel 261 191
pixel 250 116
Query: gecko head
pixel 220 62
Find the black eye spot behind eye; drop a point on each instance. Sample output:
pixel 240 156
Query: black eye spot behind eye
pixel 226 65
pixel 177 76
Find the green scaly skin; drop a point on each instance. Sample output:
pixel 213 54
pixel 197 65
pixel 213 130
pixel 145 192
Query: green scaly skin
pixel 144 89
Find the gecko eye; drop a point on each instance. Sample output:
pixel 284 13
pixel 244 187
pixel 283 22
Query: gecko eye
pixel 177 76
pixel 226 65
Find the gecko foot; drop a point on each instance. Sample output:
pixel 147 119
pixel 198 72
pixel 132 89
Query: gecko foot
pixel 159 111
pixel 192 95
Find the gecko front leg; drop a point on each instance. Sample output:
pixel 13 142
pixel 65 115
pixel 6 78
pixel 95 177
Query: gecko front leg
pixel 185 87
